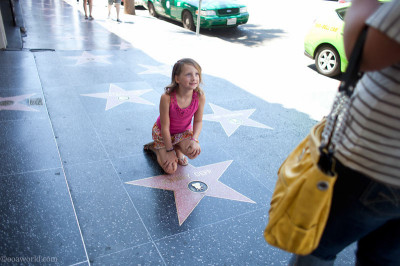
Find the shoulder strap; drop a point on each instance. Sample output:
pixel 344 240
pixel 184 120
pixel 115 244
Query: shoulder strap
pixel 172 98
pixel 195 95
pixel 335 121
pixel 352 74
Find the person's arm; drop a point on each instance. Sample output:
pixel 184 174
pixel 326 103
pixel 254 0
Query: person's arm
pixel 198 117
pixel 380 51
pixel 164 120
pixel 197 126
pixel 166 135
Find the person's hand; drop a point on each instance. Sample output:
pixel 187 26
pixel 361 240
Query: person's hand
pixel 194 149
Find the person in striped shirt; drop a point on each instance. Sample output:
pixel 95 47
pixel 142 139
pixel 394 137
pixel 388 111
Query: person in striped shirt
pixel 366 201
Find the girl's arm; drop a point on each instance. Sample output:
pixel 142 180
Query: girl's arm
pixel 194 147
pixel 380 51
pixel 164 120
pixel 198 117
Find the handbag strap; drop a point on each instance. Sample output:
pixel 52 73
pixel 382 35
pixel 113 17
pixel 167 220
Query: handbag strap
pixel 335 119
pixel 352 74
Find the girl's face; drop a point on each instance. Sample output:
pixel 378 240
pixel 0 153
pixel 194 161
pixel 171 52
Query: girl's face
pixel 189 78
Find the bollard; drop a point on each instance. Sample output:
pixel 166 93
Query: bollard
pixel 129 7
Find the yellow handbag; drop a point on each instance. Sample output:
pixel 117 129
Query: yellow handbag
pixel 302 197
pixel 301 201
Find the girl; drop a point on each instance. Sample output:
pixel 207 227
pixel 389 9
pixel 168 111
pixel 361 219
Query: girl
pixel 173 134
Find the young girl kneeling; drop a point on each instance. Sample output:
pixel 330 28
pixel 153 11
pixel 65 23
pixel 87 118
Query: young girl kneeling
pixel 173 134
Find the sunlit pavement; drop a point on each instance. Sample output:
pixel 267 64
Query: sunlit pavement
pixel 268 62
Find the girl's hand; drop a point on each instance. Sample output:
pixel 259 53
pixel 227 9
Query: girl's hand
pixel 194 150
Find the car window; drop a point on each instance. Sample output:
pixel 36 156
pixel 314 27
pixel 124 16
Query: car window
pixel 341 12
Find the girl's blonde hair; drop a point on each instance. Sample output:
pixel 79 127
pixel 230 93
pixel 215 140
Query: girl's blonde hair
pixel 176 70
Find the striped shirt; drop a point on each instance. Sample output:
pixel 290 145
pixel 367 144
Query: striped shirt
pixel 371 140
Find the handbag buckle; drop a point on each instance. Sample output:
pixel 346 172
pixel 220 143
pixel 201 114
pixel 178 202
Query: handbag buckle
pixel 326 162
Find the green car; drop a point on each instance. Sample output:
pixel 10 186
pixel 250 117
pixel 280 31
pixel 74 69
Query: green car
pixel 324 41
pixel 214 13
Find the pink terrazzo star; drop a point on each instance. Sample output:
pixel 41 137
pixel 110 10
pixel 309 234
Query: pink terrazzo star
pixel 13 103
pixel 191 184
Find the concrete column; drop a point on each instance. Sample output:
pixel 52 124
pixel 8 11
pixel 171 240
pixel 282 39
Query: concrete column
pixel 3 38
pixel 129 7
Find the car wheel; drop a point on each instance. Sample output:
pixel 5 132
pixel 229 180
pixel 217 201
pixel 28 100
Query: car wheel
pixel 327 61
pixel 187 20
pixel 152 11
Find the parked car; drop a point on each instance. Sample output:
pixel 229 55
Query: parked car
pixel 213 14
pixel 324 41
pixel 137 2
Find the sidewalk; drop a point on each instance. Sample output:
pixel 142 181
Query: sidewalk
pixel 76 106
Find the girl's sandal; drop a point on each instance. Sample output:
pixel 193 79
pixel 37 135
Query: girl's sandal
pixel 182 161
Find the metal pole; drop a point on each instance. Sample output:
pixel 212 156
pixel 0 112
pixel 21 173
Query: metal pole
pixel 198 19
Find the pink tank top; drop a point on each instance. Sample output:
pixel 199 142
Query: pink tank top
pixel 180 119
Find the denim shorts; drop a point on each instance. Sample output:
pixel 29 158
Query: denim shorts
pixel 110 2
pixel 363 211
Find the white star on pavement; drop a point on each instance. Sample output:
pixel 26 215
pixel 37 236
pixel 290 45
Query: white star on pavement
pixel 13 103
pixel 232 120
pixel 191 184
pixel 116 96
pixel 87 57
pixel 164 70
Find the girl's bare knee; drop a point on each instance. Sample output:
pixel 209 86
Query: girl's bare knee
pixel 184 146
pixel 171 172
pixel 171 169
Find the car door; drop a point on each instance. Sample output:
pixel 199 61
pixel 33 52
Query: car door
pixel 158 6
pixel 166 6
pixel 176 9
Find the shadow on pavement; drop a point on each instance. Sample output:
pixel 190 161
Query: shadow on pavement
pixel 248 34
